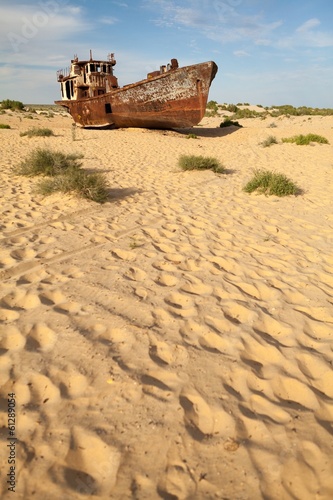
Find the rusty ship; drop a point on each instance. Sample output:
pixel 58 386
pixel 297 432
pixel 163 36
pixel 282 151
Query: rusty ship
pixel 171 97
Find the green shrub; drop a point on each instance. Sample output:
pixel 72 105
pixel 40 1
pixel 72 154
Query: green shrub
pixel 192 162
pixel 64 175
pixel 288 109
pixel 247 113
pixel 4 125
pixel 304 140
pixel 47 162
pixel 90 186
pixel 191 136
pixel 271 183
pixel 211 109
pixel 232 108
pixel 228 123
pixel 269 141
pixel 14 105
pixel 37 132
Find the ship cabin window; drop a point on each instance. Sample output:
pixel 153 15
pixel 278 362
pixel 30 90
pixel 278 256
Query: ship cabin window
pixel 108 108
pixel 67 90
pixel 100 91
pixel 92 68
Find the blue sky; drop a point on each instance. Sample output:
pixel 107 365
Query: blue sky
pixel 268 51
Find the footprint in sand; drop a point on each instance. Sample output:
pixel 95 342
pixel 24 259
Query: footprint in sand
pixel 71 307
pixel 214 343
pixel 191 265
pixel 43 337
pixel 191 331
pixel 177 482
pixel 162 265
pixel 264 407
pixel 43 391
pixel 21 299
pixel 11 339
pixel 135 274
pixel 200 416
pixel 24 254
pixel 121 340
pixel 165 354
pixel 309 475
pixel 34 277
pixel 162 379
pixel 166 280
pixel 8 315
pixel 91 464
pixel 123 254
pixel 168 249
pixel 72 383
pixel 181 305
pixel 292 390
pixel 53 297
pixel 195 286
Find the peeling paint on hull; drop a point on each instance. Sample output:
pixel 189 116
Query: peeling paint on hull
pixel 174 99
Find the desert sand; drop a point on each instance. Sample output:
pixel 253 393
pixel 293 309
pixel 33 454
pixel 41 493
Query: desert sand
pixel 175 342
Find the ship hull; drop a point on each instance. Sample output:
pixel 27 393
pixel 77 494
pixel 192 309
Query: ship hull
pixel 175 99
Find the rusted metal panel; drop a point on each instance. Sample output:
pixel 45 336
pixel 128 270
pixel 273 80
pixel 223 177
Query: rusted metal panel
pixel 171 98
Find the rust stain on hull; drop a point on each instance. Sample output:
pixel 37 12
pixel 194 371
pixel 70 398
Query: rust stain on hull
pixel 172 98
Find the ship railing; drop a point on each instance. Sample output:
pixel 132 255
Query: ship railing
pixel 63 73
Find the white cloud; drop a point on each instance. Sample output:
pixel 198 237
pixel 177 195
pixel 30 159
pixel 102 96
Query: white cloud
pixel 219 21
pixel 307 36
pixel 311 23
pixel 29 35
pixel 241 53
pixel 109 20
pixel 121 4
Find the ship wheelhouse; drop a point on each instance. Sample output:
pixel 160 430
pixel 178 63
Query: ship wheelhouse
pixel 84 79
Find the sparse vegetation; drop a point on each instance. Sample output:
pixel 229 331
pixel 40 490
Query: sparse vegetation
pixel 288 109
pixel 228 123
pixel 271 183
pixel 269 141
pixel 304 140
pixel 4 125
pixel 48 162
pixel 247 113
pixel 90 186
pixel 13 105
pixel 191 136
pixel 211 109
pixel 192 162
pixel 37 132
pixel 64 174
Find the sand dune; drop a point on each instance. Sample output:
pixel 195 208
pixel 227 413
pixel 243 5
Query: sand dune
pixel 175 342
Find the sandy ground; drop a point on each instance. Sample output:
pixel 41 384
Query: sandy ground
pixel 175 342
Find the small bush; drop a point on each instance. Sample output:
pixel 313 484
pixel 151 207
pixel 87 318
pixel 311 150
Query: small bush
pixel 272 125
pixel 191 136
pixel 247 113
pixel 37 132
pixel 47 162
pixel 270 183
pixel 192 162
pixel 304 140
pixel 14 105
pixel 269 141
pixel 4 125
pixel 228 123
pixel 90 186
